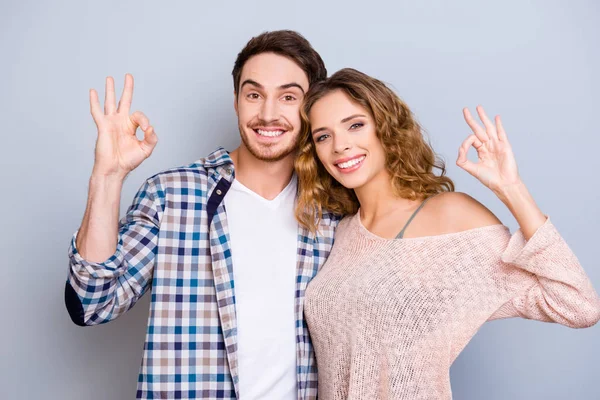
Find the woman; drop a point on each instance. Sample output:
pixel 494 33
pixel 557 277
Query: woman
pixel 417 268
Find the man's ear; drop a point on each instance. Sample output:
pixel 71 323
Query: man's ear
pixel 235 102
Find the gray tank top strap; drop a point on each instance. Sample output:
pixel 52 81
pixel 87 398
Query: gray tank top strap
pixel 401 234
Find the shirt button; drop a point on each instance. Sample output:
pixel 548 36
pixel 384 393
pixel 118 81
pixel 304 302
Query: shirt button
pixel 219 192
pixel 229 171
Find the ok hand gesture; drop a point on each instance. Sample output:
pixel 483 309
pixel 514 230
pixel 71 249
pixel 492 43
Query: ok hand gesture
pixel 118 150
pixel 496 167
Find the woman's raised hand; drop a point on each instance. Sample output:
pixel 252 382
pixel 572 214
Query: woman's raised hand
pixel 496 167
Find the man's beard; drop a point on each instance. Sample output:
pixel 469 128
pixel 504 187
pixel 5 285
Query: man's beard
pixel 256 150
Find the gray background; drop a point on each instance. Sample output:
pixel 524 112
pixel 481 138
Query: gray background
pixel 534 62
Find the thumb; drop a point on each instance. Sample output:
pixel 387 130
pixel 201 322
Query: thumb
pixel 466 164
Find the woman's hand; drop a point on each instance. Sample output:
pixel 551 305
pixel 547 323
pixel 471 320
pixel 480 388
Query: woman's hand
pixel 496 167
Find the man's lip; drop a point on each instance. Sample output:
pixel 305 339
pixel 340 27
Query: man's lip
pixel 343 160
pixel 271 129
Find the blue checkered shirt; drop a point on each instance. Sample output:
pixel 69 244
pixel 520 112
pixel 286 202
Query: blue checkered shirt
pixel 174 241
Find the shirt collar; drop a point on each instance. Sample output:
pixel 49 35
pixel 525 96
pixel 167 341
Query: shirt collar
pixel 219 157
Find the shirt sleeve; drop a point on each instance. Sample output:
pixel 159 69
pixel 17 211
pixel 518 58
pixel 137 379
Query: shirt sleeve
pixel 96 293
pixel 545 281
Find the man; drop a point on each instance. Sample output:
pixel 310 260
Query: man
pixel 193 231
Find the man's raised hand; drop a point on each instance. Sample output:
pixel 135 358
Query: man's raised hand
pixel 118 150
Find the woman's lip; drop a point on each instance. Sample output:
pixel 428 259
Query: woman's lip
pixel 352 168
pixel 343 160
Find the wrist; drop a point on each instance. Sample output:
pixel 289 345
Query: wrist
pixel 99 175
pixel 513 193
pixel 522 206
pixel 101 183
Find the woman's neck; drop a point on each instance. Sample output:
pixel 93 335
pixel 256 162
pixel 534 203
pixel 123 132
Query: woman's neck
pixel 378 200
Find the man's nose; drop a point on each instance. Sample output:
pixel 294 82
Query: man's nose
pixel 269 110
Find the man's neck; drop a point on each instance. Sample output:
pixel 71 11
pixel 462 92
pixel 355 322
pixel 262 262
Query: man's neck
pixel 265 178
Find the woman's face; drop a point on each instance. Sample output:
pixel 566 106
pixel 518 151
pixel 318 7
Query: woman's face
pixel 344 136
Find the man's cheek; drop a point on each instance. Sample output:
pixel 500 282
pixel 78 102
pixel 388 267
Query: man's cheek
pixel 244 117
pixel 295 120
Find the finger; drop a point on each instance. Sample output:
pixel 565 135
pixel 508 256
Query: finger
pixel 127 96
pixel 474 141
pixel 95 107
pixel 501 132
pixel 475 127
pixel 464 148
pixel 139 119
pixel 463 162
pixel 489 126
pixel 149 142
pixel 109 96
pixel 463 151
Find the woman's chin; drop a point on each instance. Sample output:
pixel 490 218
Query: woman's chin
pixel 349 183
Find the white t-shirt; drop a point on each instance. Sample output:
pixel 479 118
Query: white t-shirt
pixel 264 240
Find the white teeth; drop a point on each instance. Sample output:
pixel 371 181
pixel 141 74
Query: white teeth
pixel 269 133
pixel 350 163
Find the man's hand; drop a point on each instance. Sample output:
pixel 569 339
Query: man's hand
pixel 118 150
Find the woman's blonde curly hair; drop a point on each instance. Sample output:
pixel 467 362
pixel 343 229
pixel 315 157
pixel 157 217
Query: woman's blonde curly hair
pixel 410 160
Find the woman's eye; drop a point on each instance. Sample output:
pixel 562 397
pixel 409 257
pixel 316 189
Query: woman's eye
pixel 321 138
pixel 357 125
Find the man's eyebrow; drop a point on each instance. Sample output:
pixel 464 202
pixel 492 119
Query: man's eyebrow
pixel 342 121
pixel 258 85
pixel 251 82
pixel 291 85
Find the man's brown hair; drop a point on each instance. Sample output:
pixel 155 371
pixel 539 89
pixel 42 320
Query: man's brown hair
pixel 285 43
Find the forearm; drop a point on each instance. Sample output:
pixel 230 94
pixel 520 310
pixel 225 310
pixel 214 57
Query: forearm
pixel 543 280
pixel 98 235
pixel 111 264
pixel 522 206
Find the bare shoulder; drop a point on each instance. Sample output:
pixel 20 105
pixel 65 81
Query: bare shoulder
pixel 457 211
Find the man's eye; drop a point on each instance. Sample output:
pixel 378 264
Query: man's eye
pixel 357 125
pixel 289 98
pixel 253 96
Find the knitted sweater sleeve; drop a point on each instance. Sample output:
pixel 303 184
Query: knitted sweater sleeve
pixel 544 280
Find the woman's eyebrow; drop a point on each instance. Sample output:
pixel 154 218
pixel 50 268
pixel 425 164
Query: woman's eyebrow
pixel 352 117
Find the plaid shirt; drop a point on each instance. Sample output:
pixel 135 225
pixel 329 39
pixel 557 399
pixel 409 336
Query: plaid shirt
pixel 174 239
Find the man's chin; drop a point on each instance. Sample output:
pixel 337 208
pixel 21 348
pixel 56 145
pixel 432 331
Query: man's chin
pixel 269 153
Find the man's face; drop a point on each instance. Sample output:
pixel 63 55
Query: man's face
pixel 268 105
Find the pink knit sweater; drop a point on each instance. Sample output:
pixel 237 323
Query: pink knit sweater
pixel 389 316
